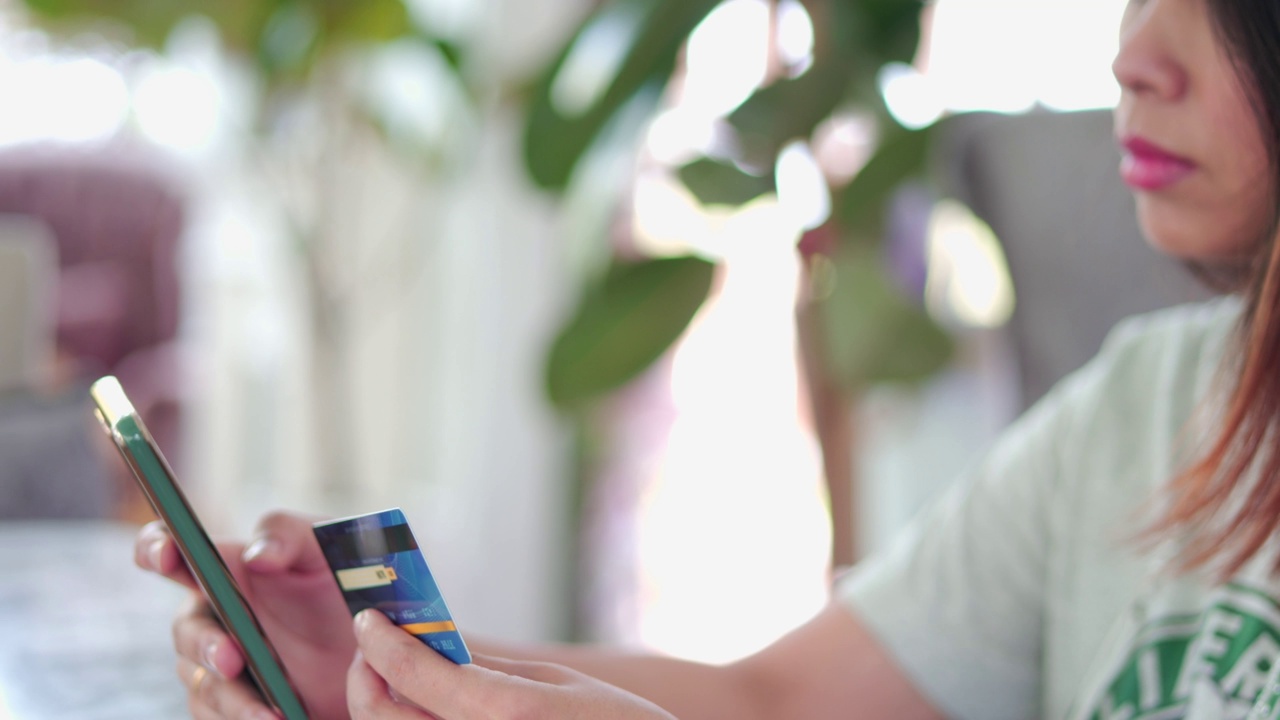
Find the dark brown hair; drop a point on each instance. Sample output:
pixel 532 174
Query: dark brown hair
pixel 1223 529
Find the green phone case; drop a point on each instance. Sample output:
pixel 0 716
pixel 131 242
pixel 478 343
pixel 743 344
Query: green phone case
pixel 156 478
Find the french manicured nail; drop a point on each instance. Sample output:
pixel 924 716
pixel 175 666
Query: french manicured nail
pixel 260 547
pixel 207 658
pixel 364 619
pixel 154 551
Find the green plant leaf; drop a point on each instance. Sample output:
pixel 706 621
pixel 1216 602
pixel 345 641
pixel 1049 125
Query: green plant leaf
pixel 622 326
pixel 372 21
pixel 853 41
pixel 715 182
pixel 647 35
pixel 788 110
pixel 240 23
pixel 874 333
pixel 149 22
pixel 860 205
pixel 289 40
pixel 451 51
pixel 893 29
pixel 54 9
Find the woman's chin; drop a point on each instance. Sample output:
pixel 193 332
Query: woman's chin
pixel 1186 235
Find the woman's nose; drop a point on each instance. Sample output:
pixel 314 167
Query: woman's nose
pixel 1147 62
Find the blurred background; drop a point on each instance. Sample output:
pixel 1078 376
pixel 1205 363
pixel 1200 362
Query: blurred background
pixel 651 314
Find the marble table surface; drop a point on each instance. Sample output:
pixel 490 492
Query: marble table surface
pixel 84 634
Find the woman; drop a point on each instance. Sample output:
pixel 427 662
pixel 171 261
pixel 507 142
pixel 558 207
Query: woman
pixel 1110 558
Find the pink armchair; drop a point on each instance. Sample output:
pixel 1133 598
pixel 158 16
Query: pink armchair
pixel 117 215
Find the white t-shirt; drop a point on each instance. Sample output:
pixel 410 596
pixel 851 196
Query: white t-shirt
pixel 1022 593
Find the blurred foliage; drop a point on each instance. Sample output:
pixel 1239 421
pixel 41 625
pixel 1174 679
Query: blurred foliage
pixel 859 207
pixel 285 36
pixel 872 330
pixel 633 311
pixel 716 182
pixel 629 311
pixel 313 56
pixel 625 323
pixel 876 331
pixel 149 22
pixel 556 137
pixel 293 45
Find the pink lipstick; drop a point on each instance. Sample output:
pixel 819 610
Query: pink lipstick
pixel 1147 166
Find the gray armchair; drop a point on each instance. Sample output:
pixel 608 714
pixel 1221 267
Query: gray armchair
pixel 1048 185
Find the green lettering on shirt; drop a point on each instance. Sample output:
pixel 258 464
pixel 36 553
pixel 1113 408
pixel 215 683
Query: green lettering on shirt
pixel 1229 648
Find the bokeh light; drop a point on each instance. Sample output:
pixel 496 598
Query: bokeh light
pixel 1012 55
pixel 802 187
pixel 177 106
pixel 60 98
pixel 968 278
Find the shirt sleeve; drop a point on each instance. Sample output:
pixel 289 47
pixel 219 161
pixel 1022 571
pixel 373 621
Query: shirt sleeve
pixel 958 598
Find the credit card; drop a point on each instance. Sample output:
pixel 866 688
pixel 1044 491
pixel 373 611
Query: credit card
pixel 377 564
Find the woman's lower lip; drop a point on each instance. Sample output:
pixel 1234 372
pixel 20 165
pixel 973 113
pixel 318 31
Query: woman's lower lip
pixel 1145 172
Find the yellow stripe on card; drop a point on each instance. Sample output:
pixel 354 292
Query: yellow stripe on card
pixel 366 577
pixel 429 627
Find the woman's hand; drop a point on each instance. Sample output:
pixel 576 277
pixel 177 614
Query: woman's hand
pixel 397 677
pixel 285 579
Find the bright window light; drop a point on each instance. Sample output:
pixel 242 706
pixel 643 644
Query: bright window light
pixel 677 136
pixel 177 107
pixel 1007 56
pixel 802 188
pixel 910 96
pixel 727 57
pixel 717 585
pixel 795 36
pixel 1080 40
pixel 968 278
pixel 667 219
pixel 59 99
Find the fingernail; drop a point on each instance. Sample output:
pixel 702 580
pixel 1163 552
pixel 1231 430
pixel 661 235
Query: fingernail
pixel 364 619
pixel 207 658
pixel 260 547
pixel 154 551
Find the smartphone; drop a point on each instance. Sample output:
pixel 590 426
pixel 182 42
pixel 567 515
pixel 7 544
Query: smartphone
pixel 156 478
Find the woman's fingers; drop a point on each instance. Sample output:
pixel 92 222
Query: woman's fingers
pixel 209 696
pixel 284 542
pixel 201 640
pixel 154 550
pixel 415 671
pixel 369 696
pixel 411 671
pixel 488 689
